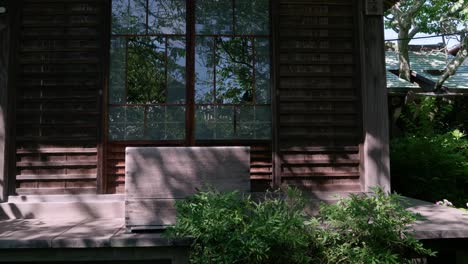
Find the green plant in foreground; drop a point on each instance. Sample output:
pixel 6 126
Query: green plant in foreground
pixel 231 228
pixel 366 229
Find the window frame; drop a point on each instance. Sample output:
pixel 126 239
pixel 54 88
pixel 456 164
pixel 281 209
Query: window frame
pixel 190 100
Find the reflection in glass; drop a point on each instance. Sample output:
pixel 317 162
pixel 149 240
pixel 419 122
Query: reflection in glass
pixel 217 122
pixel 214 122
pixel 146 76
pixel 262 70
pixel 126 123
pixel 254 122
pixel 162 123
pixel 204 70
pixel 166 123
pixel 117 70
pixel 176 70
pixel 128 16
pixel 167 16
pixel 213 17
pixel 234 70
pixel 252 17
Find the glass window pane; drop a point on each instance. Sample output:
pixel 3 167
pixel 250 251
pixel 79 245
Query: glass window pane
pixel 116 123
pixel 117 70
pixel 234 70
pixel 167 16
pixel 146 75
pixel 166 123
pixel 253 122
pixel 176 70
pixel 214 122
pixel 204 122
pixel 213 17
pixel 128 16
pixel 126 122
pixel 175 123
pixel 252 17
pixel 155 122
pixel 204 70
pixel 262 71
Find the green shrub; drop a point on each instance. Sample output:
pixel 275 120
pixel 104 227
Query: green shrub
pixel 427 115
pixel 431 168
pixel 366 229
pixel 230 228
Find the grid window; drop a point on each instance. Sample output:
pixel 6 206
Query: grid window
pixel 149 51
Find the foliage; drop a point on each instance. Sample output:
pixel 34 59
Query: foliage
pixel 366 229
pixel 145 75
pixel 230 228
pixel 436 164
pixel 433 152
pixel 409 17
pixel 427 116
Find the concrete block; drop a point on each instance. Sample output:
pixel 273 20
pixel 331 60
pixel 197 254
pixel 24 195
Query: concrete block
pixel 156 176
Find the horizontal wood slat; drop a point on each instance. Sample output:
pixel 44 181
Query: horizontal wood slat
pixel 318 95
pixel 58 96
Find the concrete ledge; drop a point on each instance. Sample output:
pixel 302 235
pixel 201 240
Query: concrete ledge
pixel 438 222
pixel 150 255
pixel 78 207
pixel 66 198
pixel 94 233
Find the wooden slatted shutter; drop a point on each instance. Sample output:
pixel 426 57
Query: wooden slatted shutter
pixel 58 96
pixel 319 124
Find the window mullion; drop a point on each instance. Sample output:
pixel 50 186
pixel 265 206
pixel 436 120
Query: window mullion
pixel 190 74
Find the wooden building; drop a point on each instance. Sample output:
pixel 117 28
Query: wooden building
pixel 301 82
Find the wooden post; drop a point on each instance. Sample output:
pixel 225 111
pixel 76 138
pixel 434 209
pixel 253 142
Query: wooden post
pixel 376 164
pixel 4 55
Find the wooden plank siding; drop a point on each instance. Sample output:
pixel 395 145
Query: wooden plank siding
pixel 58 94
pixel 62 57
pixel 319 125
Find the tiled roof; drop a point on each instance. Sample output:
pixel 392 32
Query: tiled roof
pixel 430 65
pixel 395 82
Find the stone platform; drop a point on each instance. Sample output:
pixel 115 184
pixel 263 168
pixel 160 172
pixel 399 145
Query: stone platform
pixel 69 237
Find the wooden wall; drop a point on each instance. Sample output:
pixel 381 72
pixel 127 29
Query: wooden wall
pixel 60 61
pixel 59 82
pixel 318 95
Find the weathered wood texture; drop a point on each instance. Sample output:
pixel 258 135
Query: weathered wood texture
pixel 375 152
pixel 157 176
pixel 260 166
pixel 318 95
pixel 58 96
pixel 4 51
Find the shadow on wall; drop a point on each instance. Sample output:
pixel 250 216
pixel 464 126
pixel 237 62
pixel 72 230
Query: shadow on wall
pixel 157 176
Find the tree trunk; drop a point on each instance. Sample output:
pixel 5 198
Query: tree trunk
pixel 403 55
pixel 452 67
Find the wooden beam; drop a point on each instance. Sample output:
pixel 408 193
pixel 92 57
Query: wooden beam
pixel 4 51
pixel 375 168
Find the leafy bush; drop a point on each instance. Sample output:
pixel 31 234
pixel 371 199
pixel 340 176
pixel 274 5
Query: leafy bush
pixel 431 168
pixel 366 229
pixel 230 228
pixel 427 116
